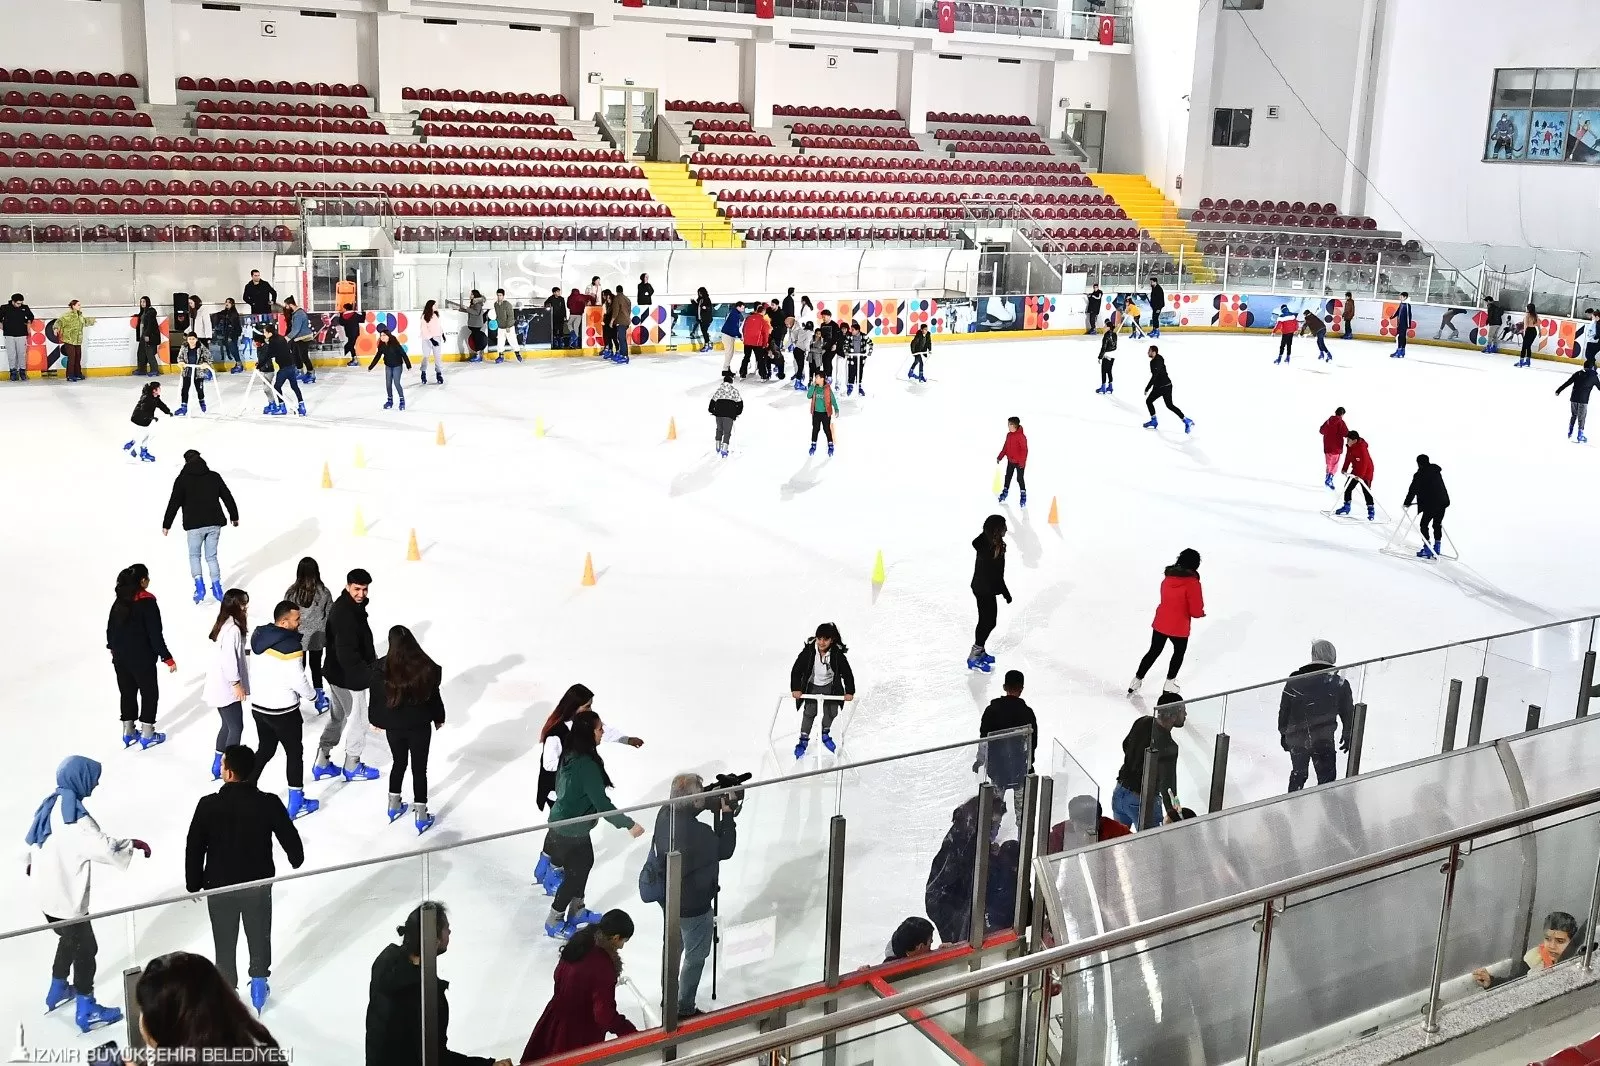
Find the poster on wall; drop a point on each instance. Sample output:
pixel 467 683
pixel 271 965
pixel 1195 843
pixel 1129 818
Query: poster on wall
pixel 1547 137
pixel 1583 138
pixel 1508 135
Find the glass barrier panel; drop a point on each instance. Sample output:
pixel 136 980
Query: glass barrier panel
pixel 1405 699
pixel 1197 743
pixel 987 1023
pixel 875 1043
pixel 1557 649
pixel 1552 761
pixel 1513 686
pixel 1258 765
pixel 1071 809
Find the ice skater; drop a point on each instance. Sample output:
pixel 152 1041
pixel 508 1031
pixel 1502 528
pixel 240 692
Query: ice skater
pixel 700 320
pixel 1318 329
pixel 228 677
pixel 1403 322
pixel 1285 326
pixel 277 689
pixel 272 350
pixel 1347 315
pixel 732 331
pixel 1108 348
pixel 1182 601
pixel 1158 303
pixel 858 348
pixel 725 406
pixel 1582 383
pixel 1014 450
pixel 1091 311
pixel 824 405
pixel 201 494
pixel 801 338
pixel 921 346
pixel 988 583
pixel 1130 311
pixel 821 669
pixel 1427 491
pixel 504 333
pixel 1448 322
pixel 1590 336
pixel 348 671
pixel 432 343
pixel 192 366
pixel 826 343
pixel 136 643
pixel 144 419
pixel 394 357
pixel 1530 334
pixel 1333 434
pixel 349 320
pixel 315 601
pixel 1358 465
pixel 1159 387
pixel 757 331
pixel 406 705
pixel 300 337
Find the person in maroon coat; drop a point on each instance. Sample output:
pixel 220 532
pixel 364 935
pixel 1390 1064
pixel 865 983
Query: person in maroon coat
pixel 1358 464
pixel 1333 431
pixel 583 1008
pixel 1181 601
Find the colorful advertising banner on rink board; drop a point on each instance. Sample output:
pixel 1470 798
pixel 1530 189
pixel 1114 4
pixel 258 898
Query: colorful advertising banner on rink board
pixel 893 315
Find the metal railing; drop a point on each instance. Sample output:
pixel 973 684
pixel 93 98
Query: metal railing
pixel 976 16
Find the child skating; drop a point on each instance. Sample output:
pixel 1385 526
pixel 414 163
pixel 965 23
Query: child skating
pixel 1014 450
pixel 1159 387
pixel 725 406
pixel 1286 326
pixel 824 405
pixel 192 364
pixel 144 417
pixel 921 345
pixel 857 346
pixel 1108 348
pixel 395 360
pixel 1358 464
pixel 1582 383
pixel 1333 431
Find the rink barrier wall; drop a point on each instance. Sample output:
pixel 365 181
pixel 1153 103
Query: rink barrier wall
pixel 109 348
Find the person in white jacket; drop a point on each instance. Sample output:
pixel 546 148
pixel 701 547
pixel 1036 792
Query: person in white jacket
pixel 432 342
pixel 63 843
pixel 279 685
pixel 228 676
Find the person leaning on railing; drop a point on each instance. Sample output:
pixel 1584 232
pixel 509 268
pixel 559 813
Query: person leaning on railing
pixel 1563 939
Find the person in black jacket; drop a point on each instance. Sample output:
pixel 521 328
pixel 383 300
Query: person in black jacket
pixel 702 315
pixel 16 320
pixel 988 582
pixel 1582 383
pixel 557 305
pixel 1313 702
pixel 259 294
pixel 1091 311
pixel 348 672
pixel 404 701
pixel 1009 761
pixel 703 847
pixel 921 346
pixel 1432 498
pixel 230 328
pixel 230 843
pixel 821 669
pixel 147 335
pixel 826 343
pixel 780 330
pixel 1150 731
pixel 1158 301
pixel 394 1001
pixel 647 291
pixel 134 637
pixel 202 494
pixel 144 417
pixel 349 320
pixel 947 896
pixel 788 303
pixel 1108 358
pixel 725 406
pixel 274 350
pixel 395 363
pixel 1160 388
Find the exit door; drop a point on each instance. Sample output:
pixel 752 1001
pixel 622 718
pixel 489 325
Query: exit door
pixel 1088 129
pixel 631 114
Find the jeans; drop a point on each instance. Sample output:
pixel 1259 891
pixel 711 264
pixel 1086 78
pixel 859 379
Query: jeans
pixel 1125 806
pixel 230 350
pixel 698 933
pixel 391 382
pixel 75 955
pixel 252 907
pixel 1321 757
pixel 204 539
pixel 286 377
pixel 724 430
pixel 621 339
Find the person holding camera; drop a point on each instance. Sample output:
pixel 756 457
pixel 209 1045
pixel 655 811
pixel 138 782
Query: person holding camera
pixel 703 847
pixel 821 669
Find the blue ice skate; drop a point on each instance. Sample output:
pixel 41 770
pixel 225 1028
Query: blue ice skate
pixel 299 806
pixel 1152 424
pixel 827 742
pixel 800 748
pixel 199 590
pixel 1188 424
pixel 259 991
pixel 1343 509
pixel 978 662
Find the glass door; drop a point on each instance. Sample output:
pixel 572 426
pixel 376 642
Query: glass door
pixel 1088 130
pixel 629 114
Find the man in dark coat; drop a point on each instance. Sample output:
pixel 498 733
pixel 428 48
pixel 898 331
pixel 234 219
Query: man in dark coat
pixel 703 847
pixel 1010 761
pixel 1313 702
pixel 947 896
pixel 1091 311
pixel 201 494
pixel 558 318
pixel 821 669
pixel 230 843
pixel 394 1002
pixel 348 672
pixel 1427 491
pixel 1149 731
pixel 259 294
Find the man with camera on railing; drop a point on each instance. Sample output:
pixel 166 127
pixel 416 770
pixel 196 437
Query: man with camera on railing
pixel 703 848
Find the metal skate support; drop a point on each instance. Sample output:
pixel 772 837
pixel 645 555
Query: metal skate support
pixel 192 369
pixel 1400 547
pixel 1357 501
pixel 257 378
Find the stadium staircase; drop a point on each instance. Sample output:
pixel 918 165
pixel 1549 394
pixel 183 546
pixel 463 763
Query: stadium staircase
pixel 1158 216
pixel 700 224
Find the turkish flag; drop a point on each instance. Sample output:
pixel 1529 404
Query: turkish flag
pixel 947 16
pixel 1108 29
pixel 763 9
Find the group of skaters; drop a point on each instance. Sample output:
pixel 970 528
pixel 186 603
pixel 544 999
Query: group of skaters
pixel 1427 489
pixel 1124 310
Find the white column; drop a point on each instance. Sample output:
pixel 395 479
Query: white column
pixel 916 73
pixel 1353 189
pixel 758 83
pixel 160 53
pixel 583 47
pixel 392 74
pixel 1053 81
pixel 1190 142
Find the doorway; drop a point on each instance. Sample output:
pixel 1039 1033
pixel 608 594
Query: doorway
pixel 1088 130
pixel 630 114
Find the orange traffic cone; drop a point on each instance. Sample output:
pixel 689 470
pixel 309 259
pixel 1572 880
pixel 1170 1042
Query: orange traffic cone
pixel 412 553
pixel 588 569
pixel 1055 514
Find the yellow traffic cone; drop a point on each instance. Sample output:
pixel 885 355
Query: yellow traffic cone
pixel 438 438
pixel 995 490
pixel 361 523
pixel 538 427
pixel 412 553
pixel 327 478
pixel 588 569
pixel 361 458
pixel 877 569
pixel 672 429
pixel 1055 515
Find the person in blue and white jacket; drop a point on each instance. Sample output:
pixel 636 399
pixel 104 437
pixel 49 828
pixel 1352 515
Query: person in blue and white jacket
pixel 278 683
pixel 63 843
pixel 732 331
pixel 1402 325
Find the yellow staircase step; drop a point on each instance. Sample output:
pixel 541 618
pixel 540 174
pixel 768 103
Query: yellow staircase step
pixel 1157 215
pixel 701 223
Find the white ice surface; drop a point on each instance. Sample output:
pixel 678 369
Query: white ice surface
pixel 711 573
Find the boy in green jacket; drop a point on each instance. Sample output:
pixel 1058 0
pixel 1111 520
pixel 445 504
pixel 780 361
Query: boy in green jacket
pixel 824 405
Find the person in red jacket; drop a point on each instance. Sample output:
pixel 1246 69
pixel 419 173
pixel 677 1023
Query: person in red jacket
pixel 583 1007
pixel 1015 452
pixel 1358 464
pixel 1333 431
pixel 757 329
pixel 1181 600
pixel 577 306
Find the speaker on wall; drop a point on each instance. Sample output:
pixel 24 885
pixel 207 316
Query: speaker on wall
pixel 180 313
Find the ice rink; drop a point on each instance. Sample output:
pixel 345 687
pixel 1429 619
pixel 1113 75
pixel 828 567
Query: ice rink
pixel 711 573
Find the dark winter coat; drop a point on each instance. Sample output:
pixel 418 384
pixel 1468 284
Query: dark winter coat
pixel 136 640
pixel 1333 433
pixel 202 494
pixel 582 1008
pixel 988 568
pixel 1182 600
pixel 393 353
pixel 410 716
pixel 733 325
pixel 1315 326
pixel 1358 461
pixel 1131 775
pixel 350 322
pixel 1158 375
pixel 947 895
pixel 558 313
pixel 1402 317
pixel 230 327
pixel 780 330
pixel 394 1015
pixel 1009 760
pixel 844 679
pixel 577 303
pixel 921 342
pixel 1158 299
pixel 16 321
pixel 350 652
pixel 726 402
pixel 703 847
pixel 1000 892
pixel 276 353
pixel 144 412
pixel 703 312
pixel 1310 707
pixel 230 837
pixel 832 338
pixel 148 329
pixel 788 306
pixel 1092 306
pixel 1427 490
pixel 259 295
pixel 647 294
pixel 1582 382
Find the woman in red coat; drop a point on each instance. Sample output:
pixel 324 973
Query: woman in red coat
pixel 1181 600
pixel 583 1008
pixel 1358 464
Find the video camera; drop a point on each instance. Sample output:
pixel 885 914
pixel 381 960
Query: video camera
pixel 733 802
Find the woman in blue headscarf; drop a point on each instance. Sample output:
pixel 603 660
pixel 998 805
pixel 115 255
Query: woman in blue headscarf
pixel 63 841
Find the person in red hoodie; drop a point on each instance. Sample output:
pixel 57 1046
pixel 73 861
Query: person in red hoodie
pixel 583 1007
pixel 1358 464
pixel 757 329
pixel 577 308
pixel 1015 452
pixel 1333 431
pixel 1181 601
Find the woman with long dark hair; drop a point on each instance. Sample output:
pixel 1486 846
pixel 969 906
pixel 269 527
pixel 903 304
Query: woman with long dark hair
pixel 552 742
pixel 1530 333
pixel 230 327
pixel 147 334
pixel 314 600
pixel 988 583
pixel 228 677
pixel 404 702
pixel 580 793
pixel 185 1003
pixel 432 342
pixel 702 318
pixel 133 634
pixel 583 1007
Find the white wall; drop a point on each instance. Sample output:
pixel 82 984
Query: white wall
pixel 983 84
pixel 680 68
pixel 229 44
pixel 1433 93
pixel 70 35
pixel 477 55
pixel 1147 123
pixel 858 79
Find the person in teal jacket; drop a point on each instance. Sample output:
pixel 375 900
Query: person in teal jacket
pixel 581 785
pixel 824 405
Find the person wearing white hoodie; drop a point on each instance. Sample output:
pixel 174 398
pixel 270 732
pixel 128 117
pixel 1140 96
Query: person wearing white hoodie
pixel 279 685
pixel 228 676
pixel 63 843
pixel 432 342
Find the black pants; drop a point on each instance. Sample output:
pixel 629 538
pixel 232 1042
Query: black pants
pixel 1285 343
pixel 1320 756
pixel 1353 484
pixel 314 659
pixel 139 690
pixel 410 745
pixel 1105 369
pixel 763 364
pixel 824 421
pixel 302 356
pixel 349 346
pixel 856 367
pixel 75 955
pixel 1437 519
pixel 1528 337
pixel 1090 326
pixel 281 728
pixel 193 374
pixel 1014 468
pixel 231 731
pixel 988 615
pixel 575 856
pixel 1164 394
pixel 704 325
pixel 146 358
pixel 1158 641
pixel 286 377
pixel 251 907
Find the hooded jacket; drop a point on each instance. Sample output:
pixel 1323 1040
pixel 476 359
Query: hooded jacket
pixel 1427 489
pixel 988 568
pixel 279 680
pixel 582 1007
pixel 477 313
pixel 726 401
pixel 1181 600
pixel 137 641
pixel 350 650
pixel 947 896
pixel 1310 707
pixel 394 1015
pixel 1014 447
pixel 844 679
pixel 1358 460
pixel 1287 322
pixel 1333 433
pixel 201 494
pixel 1010 760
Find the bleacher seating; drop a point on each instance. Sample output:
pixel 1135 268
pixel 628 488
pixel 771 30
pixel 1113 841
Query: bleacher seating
pixel 282 107
pixel 280 124
pixel 395 157
pixel 998 148
pixel 964 118
pixel 706 107
pixel 1308 247
pixel 480 96
pixel 66 78
pixel 860 113
pixel 1584 1054
pixel 826 129
pixel 1278 214
pixel 535 234
pixel 266 87
pixel 930 170
pixel 526 133
pixel 745 140
pixel 33 116
pixel 812 234
pixel 858 144
pixel 989 136
pixel 83 101
pixel 719 125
